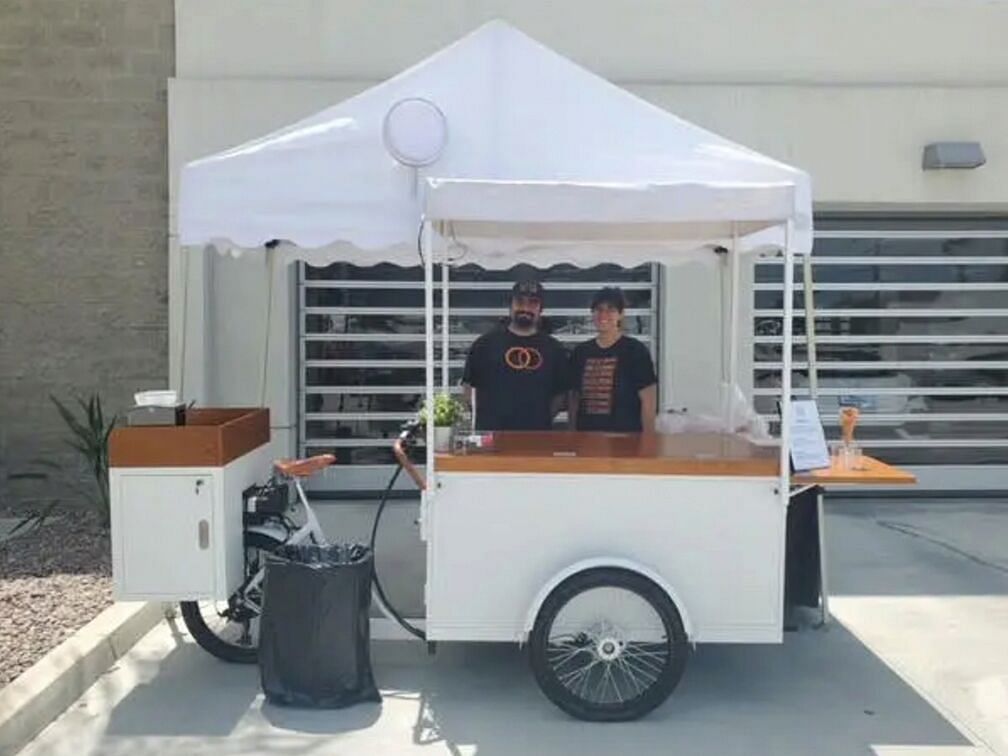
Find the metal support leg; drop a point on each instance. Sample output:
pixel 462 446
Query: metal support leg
pixel 823 581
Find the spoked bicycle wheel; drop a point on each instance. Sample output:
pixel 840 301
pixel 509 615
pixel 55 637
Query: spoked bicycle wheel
pixel 230 629
pixel 608 645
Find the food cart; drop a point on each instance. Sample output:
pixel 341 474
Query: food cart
pixel 609 555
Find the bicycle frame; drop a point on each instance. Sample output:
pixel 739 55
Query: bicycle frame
pixel 277 528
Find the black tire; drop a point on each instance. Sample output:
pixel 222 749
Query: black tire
pixel 194 612
pixel 668 655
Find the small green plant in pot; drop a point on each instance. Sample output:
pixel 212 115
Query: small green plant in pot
pixel 447 412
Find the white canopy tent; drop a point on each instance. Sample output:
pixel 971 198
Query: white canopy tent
pixel 543 163
pixel 517 115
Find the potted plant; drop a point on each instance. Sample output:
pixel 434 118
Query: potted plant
pixel 447 412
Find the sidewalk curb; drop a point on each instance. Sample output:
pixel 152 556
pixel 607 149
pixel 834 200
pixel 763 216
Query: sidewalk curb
pixel 45 690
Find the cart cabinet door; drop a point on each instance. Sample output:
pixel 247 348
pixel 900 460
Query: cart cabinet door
pixel 165 536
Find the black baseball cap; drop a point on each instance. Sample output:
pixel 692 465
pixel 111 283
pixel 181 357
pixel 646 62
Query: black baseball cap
pixel 611 296
pixel 528 287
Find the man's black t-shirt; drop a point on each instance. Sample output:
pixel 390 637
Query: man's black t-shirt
pixel 516 378
pixel 608 382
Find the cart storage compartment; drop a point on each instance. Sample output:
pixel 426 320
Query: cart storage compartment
pixel 176 501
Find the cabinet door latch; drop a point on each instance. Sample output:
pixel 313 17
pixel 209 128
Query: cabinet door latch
pixel 204 535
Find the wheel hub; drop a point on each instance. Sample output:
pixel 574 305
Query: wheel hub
pixel 607 641
pixel 609 648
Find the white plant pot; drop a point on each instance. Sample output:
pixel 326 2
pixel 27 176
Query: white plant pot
pixel 442 438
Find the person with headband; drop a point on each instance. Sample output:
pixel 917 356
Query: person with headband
pixel 518 373
pixel 613 383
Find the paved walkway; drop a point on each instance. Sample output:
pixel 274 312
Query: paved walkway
pixel 915 665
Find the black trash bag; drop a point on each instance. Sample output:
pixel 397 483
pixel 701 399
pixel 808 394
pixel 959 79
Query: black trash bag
pixel 315 632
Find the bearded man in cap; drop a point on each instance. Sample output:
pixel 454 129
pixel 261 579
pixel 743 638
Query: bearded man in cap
pixel 516 375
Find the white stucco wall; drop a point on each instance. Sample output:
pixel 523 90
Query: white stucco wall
pixel 923 42
pixel 850 91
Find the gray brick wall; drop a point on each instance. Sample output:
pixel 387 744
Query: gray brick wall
pixel 83 211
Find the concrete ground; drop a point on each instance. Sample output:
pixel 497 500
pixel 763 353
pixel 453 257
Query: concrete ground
pixel 7 525
pixel 916 664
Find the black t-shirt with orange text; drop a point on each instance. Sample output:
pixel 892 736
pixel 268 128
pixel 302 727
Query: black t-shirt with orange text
pixel 608 382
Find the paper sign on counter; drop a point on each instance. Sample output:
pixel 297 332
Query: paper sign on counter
pixel 808 441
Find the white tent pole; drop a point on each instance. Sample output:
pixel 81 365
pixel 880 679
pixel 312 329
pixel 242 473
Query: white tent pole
pixel 270 259
pixel 733 326
pixel 785 433
pixel 184 267
pixel 426 250
pixel 444 325
pixel 810 335
pixel 813 379
pixel 722 312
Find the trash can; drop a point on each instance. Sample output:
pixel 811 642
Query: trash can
pixel 314 633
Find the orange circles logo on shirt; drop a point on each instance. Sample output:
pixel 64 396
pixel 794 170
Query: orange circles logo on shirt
pixel 523 358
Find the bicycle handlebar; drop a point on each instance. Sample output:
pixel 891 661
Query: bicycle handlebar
pixel 399 448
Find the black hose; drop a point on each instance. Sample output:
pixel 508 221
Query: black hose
pixel 377 583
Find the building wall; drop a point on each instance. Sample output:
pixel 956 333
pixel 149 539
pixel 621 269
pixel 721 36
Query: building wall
pixel 83 211
pixel 922 42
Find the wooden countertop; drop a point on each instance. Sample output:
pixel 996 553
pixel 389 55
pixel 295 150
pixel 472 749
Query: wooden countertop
pixel 875 473
pixel 637 454
pixel 617 453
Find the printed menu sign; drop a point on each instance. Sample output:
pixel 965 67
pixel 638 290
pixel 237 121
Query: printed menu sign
pixel 808 442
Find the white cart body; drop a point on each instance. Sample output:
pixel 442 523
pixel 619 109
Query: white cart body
pixel 497 544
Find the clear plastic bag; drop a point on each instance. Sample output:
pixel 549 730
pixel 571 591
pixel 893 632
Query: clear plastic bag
pixel 738 418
